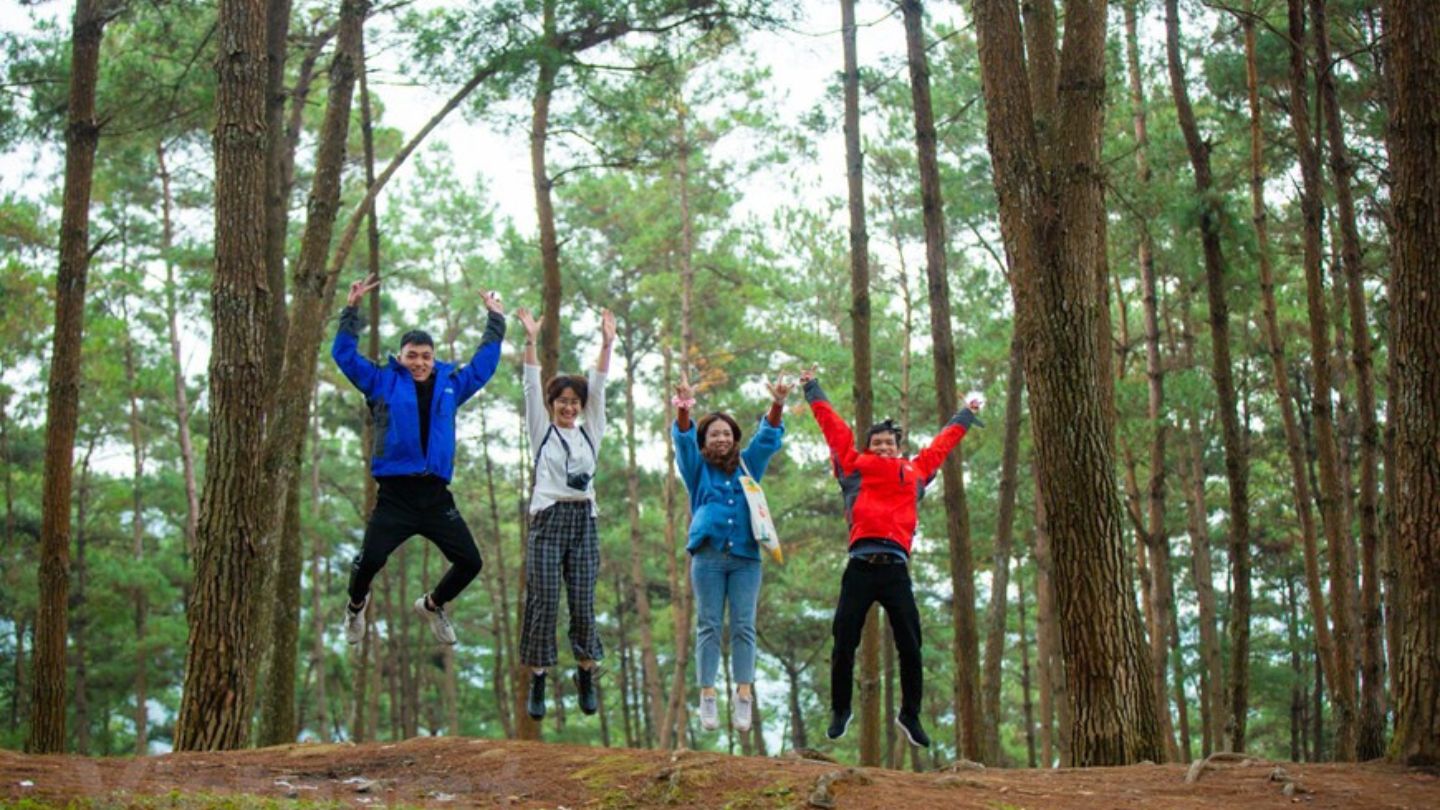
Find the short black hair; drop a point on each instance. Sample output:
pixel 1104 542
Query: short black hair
pixel 561 382
pixel 418 337
pixel 887 426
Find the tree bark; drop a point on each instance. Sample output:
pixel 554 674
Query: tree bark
pixel 957 523
pixel 1050 203
pixel 545 209
pixel 82 134
pixel 1413 38
pixel 863 395
pixel 277 190
pixel 1054 703
pixel 1028 704
pixel 1371 733
pixel 1341 670
pixel 673 727
pixel 79 601
pixel 1236 461
pixel 1004 536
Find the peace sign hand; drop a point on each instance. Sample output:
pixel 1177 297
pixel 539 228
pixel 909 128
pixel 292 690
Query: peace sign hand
pixel 683 391
pixel 779 390
pixel 360 288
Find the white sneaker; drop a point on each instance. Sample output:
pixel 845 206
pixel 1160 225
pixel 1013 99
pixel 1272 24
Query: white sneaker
pixel 439 622
pixel 744 708
pixel 355 621
pixel 709 712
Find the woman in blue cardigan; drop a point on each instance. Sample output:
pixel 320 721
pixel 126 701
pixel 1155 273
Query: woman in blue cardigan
pixel 725 564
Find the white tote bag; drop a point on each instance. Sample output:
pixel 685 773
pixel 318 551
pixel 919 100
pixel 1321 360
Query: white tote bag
pixel 761 522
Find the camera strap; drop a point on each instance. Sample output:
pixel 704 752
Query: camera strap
pixel 566 445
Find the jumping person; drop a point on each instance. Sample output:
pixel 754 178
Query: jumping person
pixel 566 422
pixel 412 401
pixel 725 559
pixel 881 488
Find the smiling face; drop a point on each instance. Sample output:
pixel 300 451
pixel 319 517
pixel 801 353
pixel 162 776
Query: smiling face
pixel 884 444
pixel 566 408
pixel 719 438
pixel 419 358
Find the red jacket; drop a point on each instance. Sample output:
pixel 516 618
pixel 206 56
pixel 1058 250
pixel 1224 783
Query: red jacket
pixel 884 506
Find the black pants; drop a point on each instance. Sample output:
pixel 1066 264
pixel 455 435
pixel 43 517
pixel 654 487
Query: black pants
pixel 402 512
pixel 864 584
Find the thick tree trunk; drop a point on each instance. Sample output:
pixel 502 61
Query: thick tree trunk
pixel 218 693
pixel 864 398
pixel 277 190
pixel 1371 733
pixel 1412 31
pixel 82 134
pixel 1050 202
pixel 278 725
pixel 1004 536
pixel 1341 670
pixel 1236 463
pixel 957 523
pixel 1054 700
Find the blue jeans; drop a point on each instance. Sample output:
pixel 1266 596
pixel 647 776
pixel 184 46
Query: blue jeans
pixel 719 577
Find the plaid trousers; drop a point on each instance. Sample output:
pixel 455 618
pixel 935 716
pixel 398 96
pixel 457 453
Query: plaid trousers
pixel 563 546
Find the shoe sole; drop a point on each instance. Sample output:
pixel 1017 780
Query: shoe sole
pixel 912 740
pixel 365 607
pixel 848 721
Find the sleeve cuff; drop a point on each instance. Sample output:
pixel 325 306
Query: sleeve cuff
pixel 351 321
pixel 966 418
pixel 494 329
pixel 814 393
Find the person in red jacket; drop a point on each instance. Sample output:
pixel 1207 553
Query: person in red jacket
pixel 881 489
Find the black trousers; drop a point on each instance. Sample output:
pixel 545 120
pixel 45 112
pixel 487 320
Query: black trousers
pixel 403 512
pixel 864 584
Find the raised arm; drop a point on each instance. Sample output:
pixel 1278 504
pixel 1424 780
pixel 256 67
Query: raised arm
pixel 356 367
pixel 537 420
pixel 929 460
pixel 482 366
pixel 770 433
pixel 838 435
pixel 687 448
pixel 607 341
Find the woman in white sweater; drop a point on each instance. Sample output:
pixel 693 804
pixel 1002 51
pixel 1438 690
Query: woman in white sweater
pixel 566 421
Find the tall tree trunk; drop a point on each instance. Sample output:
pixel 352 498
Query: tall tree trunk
pixel 82 134
pixel 1297 673
pixel 79 602
pixel 317 588
pixel 1054 700
pixel 1156 539
pixel 1412 31
pixel 505 647
pixel 1049 189
pixel 545 215
pixel 1004 536
pixel 172 318
pixel 864 398
pixel 957 523
pixel 672 731
pixel 1193 475
pixel 1341 670
pixel 651 663
pixel 1027 703
pixel 1371 733
pixel 218 693
pixel 277 190
pixel 1236 463
pixel 137 538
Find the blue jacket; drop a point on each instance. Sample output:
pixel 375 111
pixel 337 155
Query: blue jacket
pixel 390 394
pixel 719 513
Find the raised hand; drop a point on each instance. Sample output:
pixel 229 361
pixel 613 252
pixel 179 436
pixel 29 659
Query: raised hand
pixel 975 401
pixel 683 391
pixel 492 302
pixel 607 326
pixel 532 326
pixel 808 374
pixel 780 389
pixel 360 288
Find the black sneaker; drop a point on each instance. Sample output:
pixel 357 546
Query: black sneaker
pixel 585 687
pixel 913 730
pixel 536 704
pixel 839 722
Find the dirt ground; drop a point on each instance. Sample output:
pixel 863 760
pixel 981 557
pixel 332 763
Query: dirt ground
pixel 501 773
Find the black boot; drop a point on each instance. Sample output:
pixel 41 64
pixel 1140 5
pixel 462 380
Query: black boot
pixel 536 704
pixel 585 687
pixel 839 722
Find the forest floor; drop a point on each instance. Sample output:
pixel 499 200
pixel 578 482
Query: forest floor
pixel 446 771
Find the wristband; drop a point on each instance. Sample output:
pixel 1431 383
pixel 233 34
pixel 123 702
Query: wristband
pixel 687 404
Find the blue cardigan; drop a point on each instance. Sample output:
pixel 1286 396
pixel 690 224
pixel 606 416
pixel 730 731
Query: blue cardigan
pixel 390 394
pixel 719 513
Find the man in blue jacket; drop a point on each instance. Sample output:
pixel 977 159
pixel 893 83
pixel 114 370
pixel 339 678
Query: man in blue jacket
pixel 412 401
